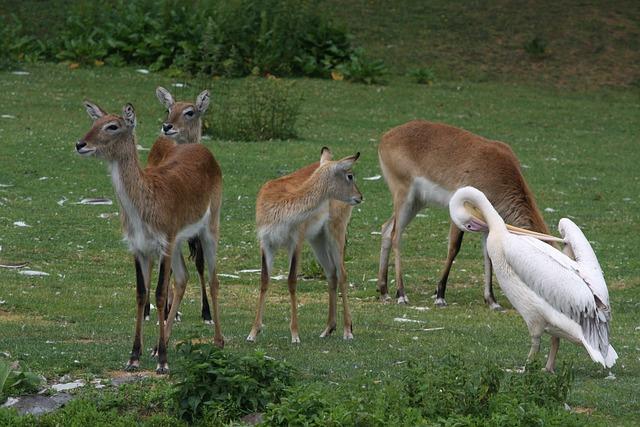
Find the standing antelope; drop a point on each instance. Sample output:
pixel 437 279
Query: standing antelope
pixel 423 164
pixel 160 209
pixel 312 203
pixel 183 125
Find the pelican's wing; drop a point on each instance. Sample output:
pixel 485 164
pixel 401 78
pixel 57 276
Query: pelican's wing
pixel 550 274
pixel 588 266
pixel 556 278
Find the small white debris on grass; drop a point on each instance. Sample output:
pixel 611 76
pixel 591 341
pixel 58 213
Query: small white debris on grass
pixel 422 216
pixel 143 71
pixel 21 224
pixel 6 185
pixel 376 233
pixel 8 116
pixel 279 277
pixel 549 210
pixel 33 273
pixel 20 73
pixel 68 386
pixel 232 276
pixel 95 201
pixel 62 201
pixel 43 178
pixel 13 265
pixel 141 148
pixel 10 402
pixel 249 270
pixel 420 308
pixel 372 178
pixel 610 376
pixel 179 84
pixel 2 301
pixel 405 320
pixel 431 329
pixel 637 328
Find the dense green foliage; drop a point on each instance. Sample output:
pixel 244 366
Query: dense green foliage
pixel 443 393
pixel 213 38
pixel 15 380
pixel 211 380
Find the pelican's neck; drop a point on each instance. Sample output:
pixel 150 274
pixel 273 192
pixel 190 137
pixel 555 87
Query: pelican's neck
pixel 491 216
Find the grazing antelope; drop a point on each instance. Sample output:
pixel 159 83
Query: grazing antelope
pixel 312 203
pixel 183 125
pixel 423 164
pixel 160 209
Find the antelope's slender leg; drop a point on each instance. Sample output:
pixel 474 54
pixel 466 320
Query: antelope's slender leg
pixel 455 242
pixel 267 265
pixel 292 282
pixel 489 298
pixel 161 299
pixel 181 277
pixel 209 241
pixel 383 268
pixel 198 255
pixel 143 266
pixel 404 213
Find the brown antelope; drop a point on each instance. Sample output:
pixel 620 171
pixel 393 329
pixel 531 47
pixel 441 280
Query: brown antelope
pixel 423 164
pixel 312 203
pixel 183 125
pixel 160 209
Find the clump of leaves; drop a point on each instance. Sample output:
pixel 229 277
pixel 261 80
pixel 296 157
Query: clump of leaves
pixel 360 69
pixel 17 46
pixel 536 47
pixel 423 76
pixel 224 386
pixel 15 380
pixel 265 109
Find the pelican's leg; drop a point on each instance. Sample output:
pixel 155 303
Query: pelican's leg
pixel 551 361
pixel 535 347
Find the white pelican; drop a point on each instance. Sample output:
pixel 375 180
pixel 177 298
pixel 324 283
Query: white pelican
pixel 563 294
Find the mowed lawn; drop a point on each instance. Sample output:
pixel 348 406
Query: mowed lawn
pixel 579 152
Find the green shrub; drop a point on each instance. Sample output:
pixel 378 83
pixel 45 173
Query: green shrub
pixel 215 38
pixel 536 47
pixel 261 109
pixel 17 46
pixel 15 380
pixel 424 76
pixel 223 386
pixel 360 69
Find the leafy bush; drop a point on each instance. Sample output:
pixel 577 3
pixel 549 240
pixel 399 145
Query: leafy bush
pixel 360 69
pixel 15 380
pixel 263 109
pixel 215 38
pixel 424 76
pixel 536 47
pixel 17 46
pixel 223 386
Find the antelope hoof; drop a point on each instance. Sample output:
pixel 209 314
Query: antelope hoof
pixel 385 298
pixel 218 342
pixel 295 339
pixel 347 335
pixel 132 366
pixel 208 322
pixel 154 352
pixel 403 299
pixel 327 331
pixel 178 317
pixel 251 338
pixel 162 369
pixel 147 318
pixel 440 302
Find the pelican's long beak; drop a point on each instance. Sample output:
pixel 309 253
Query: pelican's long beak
pixel 479 219
pixel 540 236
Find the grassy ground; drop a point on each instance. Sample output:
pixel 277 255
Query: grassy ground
pixel 579 151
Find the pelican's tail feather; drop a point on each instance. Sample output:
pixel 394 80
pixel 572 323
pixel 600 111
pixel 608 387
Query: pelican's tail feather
pixel 596 356
pixel 611 358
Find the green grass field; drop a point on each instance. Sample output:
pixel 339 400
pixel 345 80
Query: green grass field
pixel 580 155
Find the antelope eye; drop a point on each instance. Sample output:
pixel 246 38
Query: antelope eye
pixel 349 177
pixel 112 127
pixel 189 113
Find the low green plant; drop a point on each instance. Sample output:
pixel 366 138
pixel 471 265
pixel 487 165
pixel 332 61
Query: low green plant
pixel 424 76
pixel 264 109
pixel 16 45
pixel 536 47
pixel 360 69
pixel 15 380
pixel 224 386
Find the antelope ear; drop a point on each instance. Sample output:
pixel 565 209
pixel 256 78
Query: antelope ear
pixel 94 111
pixel 129 115
pixel 325 155
pixel 347 162
pixel 164 97
pixel 202 101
